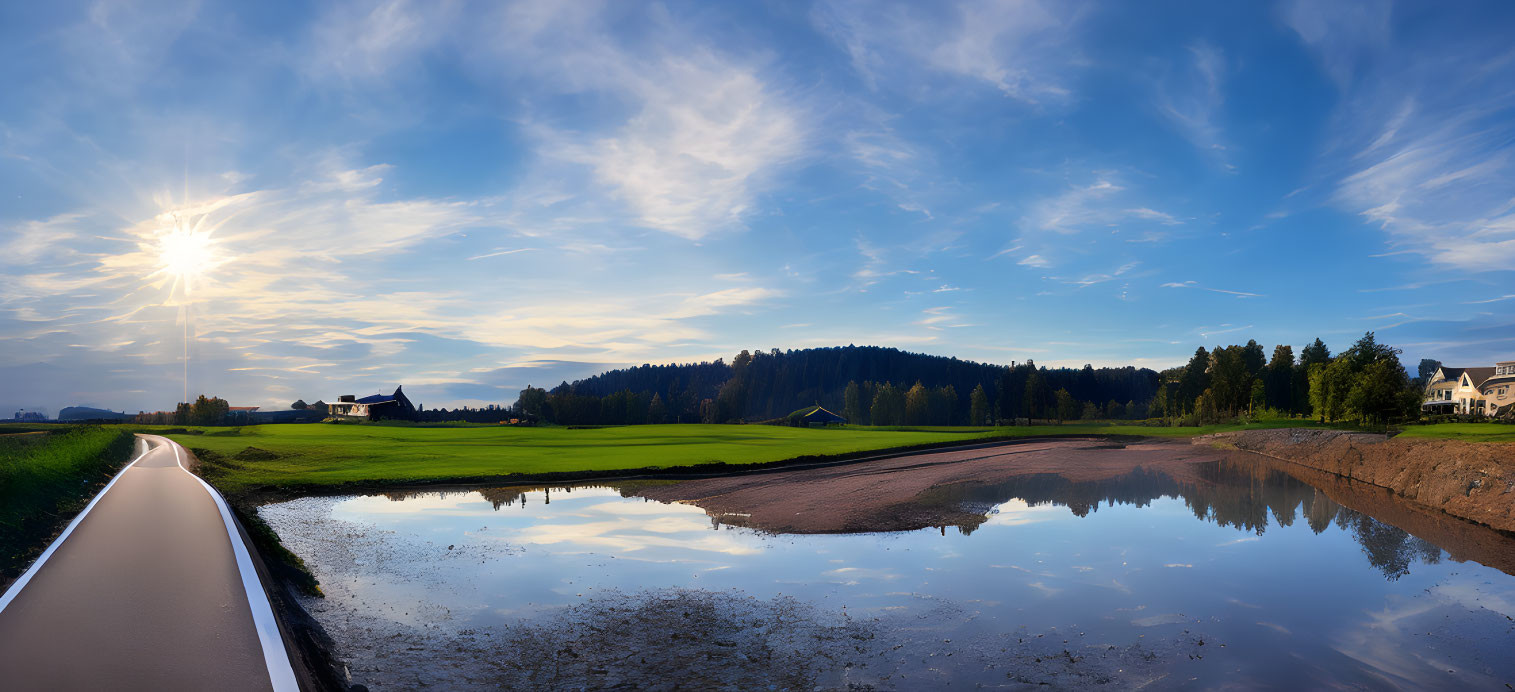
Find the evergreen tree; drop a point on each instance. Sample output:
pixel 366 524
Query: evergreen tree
pixel 1194 381
pixel 978 407
pixel 917 405
pixel 1032 401
pixel 852 404
pixel 1067 406
pixel 1279 378
pixel 657 411
pixel 1428 367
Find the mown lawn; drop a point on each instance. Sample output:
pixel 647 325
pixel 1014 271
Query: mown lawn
pixel 1467 432
pixel 45 479
pixel 324 455
pixel 314 456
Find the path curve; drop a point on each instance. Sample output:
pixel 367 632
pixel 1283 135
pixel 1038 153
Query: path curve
pixel 150 587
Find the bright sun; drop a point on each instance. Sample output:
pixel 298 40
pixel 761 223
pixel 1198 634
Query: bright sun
pixel 186 255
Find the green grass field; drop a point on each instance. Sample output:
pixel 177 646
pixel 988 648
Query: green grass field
pixel 46 478
pixel 1467 432
pixel 310 457
pixel 325 455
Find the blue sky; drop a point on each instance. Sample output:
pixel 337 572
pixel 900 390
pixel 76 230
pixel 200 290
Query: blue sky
pixel 470 197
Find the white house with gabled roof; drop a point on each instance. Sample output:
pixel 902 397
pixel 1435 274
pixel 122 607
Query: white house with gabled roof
pixel 1487 391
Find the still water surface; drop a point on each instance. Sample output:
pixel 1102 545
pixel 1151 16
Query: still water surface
pixel 1232 576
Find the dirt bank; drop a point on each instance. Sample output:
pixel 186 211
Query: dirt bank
pixel 1470 480
pixel 904 493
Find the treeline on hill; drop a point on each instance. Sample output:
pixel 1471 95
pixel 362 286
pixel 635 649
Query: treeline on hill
pixel 871 385
pixel 868 385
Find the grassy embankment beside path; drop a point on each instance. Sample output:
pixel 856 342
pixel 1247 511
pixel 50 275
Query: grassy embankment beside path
pixel 45 479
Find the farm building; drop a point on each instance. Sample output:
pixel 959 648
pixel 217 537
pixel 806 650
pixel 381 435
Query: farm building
pixel 377 407
pixel 819 417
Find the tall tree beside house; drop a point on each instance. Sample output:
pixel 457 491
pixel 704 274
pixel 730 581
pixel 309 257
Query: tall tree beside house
pixel 978 407
pixel 1194 381
pixel 1428 367
pixel 1381 389
pixel 852 403
pixel 299 405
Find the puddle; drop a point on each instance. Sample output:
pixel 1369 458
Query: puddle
pixel 1225 574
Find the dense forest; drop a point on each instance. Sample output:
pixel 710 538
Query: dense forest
pixel 871 385
pixel 865 384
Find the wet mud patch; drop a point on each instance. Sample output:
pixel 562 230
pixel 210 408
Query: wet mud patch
pixel 674 639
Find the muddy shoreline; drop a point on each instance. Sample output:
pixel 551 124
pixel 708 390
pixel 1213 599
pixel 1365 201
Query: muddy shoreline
pixel 1473 481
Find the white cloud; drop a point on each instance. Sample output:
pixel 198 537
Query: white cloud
pixel 1192 101
pixel 1015 46
pixel 690 161
pixel 1424 147
pixel 363 41
pixel 1193 284
pixel 1033 261
pixel 1104 203
pixel 1345 33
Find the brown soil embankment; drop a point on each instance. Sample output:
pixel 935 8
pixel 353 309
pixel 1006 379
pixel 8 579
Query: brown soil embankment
pixel 902 494
pixel 1470 480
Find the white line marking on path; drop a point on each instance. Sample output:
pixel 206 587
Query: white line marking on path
pixel 15 589
pixel 275 658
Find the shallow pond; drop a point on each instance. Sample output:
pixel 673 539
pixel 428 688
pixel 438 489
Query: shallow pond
pixel 1237 574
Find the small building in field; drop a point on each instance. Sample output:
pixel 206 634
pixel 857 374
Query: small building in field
pixel 819 417
pixel 394 406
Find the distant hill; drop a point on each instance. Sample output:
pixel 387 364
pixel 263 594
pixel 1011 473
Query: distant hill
pixel 77 413
pixel 774 383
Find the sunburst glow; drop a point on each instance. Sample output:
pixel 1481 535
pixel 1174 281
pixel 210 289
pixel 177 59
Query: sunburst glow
pixel 186 255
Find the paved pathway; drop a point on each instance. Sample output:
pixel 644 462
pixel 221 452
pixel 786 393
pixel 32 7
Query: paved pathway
pixel 151 587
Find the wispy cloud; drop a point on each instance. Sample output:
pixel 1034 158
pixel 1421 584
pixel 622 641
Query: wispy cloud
pixel 1192 100
pixel 1427 147
pixel 1016 47
pixel 1193 284
pixel 499 253
pixel 1100 204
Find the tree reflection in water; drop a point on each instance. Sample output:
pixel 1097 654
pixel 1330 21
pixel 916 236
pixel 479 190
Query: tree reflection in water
pixel 1240 493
